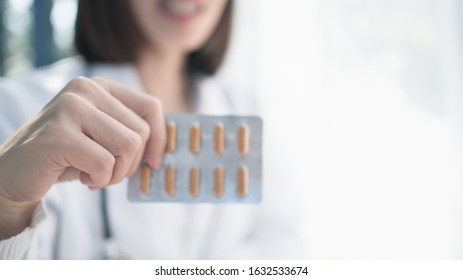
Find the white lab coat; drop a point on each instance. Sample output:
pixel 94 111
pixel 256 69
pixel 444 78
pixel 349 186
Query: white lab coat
pixel 71 226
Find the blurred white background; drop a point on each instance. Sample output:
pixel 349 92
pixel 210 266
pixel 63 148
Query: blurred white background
pixel 365 97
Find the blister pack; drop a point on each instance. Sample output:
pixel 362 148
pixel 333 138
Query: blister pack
pixel 215 159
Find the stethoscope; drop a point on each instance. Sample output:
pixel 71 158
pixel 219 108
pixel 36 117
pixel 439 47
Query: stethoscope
pixel 110 250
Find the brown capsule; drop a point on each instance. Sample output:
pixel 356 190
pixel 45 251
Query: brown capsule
pixel 219 138
pixel 195 138
pixel 169 180
pixel 242 181
pixel 145 179
pixel 243 139
pixel 171 137
pixel 218 181
pixel 194 181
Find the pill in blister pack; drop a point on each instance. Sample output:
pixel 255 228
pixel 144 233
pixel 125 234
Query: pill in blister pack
pixel 214 159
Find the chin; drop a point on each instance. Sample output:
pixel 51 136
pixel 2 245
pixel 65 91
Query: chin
pixel 185 45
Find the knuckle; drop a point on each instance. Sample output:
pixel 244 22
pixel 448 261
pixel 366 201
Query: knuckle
pixel 141 127
pixel 68 98
pixel 155 103
pixel 79 83
pixel 99 79
pixel 104 164
pixel 131 142
pixel 144 131
pixel 69 101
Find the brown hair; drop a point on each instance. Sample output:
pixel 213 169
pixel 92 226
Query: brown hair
pixel 106 32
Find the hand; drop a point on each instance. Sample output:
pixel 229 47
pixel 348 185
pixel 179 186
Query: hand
pixel 94 130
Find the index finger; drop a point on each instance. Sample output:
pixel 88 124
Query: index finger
pixel 147 107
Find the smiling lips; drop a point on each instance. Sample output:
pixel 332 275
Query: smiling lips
pixel 181 11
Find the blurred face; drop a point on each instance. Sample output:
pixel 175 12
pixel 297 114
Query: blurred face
pixel 183 25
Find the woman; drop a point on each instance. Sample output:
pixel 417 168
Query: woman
pixel 150 58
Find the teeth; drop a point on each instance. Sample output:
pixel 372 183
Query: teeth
pixel 181 7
